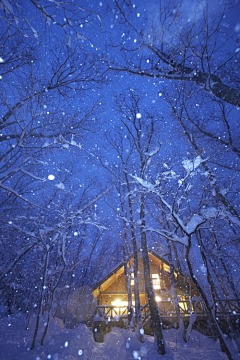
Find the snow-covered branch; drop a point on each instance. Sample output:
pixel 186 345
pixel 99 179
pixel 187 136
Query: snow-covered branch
pixel 9 190
pixel 169 235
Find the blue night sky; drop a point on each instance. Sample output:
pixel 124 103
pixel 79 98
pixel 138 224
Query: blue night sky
pixel 81 86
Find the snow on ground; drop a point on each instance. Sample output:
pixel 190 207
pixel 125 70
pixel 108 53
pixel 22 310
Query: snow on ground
pixel 76 344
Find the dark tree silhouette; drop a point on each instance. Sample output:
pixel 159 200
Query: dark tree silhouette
pixel 180 44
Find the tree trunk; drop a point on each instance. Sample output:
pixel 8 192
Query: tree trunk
pixel 214 295
pixel 138 316
pixel 155 314
pixel 228 279
pixel 128 281
pixel 215 327
pixel 175 297
pixel 51 305
pixel 40 301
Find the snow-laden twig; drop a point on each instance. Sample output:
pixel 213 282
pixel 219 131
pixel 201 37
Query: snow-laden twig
pixel 213 213
pixel 65 143
pixel 12 171
pixel 18 195
pixel 191 165
pixel 169 235
pixel 35 177
pixel 16 260
pixel 195 221
pixel 90 203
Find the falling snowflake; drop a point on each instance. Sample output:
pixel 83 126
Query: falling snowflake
pixel 135 354
pixel 51 177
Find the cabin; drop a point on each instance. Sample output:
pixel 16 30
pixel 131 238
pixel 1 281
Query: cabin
pixel 111 297
pixel 112 290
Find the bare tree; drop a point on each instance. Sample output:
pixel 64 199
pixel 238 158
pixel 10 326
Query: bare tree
pixel 187 219
pixel 43 129
pixel 41 116
pixel 138 142
pixel 70 18
pixel 48 242
pixel 126 212
pixel 180 43
pixel 212 135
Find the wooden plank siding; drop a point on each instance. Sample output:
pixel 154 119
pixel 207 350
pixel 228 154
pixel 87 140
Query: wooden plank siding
pixel 113 287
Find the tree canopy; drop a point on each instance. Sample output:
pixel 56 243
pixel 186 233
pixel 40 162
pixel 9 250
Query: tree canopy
pixel 118 130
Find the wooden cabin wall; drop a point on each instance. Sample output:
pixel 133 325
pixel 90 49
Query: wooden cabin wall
pixel 114 288
pixel 119 285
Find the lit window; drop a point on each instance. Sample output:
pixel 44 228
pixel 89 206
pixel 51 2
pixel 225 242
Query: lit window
pixel 120 307
pixel 132 279
pixel 119 303
pixel 156 281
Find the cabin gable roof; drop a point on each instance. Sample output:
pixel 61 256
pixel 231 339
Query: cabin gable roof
pixel 109 279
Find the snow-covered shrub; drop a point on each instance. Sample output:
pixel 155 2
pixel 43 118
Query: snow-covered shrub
pixel 80 306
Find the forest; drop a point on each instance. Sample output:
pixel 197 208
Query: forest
pixel 119 133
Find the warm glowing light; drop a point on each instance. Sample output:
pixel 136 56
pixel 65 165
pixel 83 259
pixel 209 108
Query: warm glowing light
pixel 157 298
pixel 156 281
pixel 119 302
pixel 119 306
